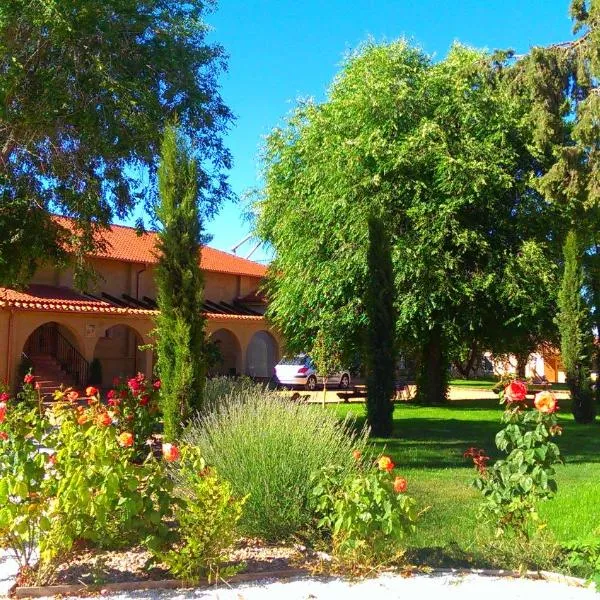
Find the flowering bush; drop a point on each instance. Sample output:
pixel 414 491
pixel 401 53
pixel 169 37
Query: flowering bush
pixel 514 485
pixel 367 513
pixel 98 493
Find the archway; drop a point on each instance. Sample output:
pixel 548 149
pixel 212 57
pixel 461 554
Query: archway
pixel 53 353
pixel 118 354
pixel 261 356
pixel 230 352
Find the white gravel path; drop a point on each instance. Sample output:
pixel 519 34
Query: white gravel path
pixel 385 587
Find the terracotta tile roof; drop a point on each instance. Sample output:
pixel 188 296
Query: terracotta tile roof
pixel 50 298
pixel 62 299
pixel 125 244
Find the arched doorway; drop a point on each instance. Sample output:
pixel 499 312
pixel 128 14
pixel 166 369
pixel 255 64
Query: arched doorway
pixel 228 361
pixel 261 356
pixel 119 355
pixel 54 355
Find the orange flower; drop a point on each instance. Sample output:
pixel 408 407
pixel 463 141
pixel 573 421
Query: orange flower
pixel 82 419
pixel 3 435
pixel 170 452
pixel 385 463
pixel 356 454
pixel 400 485
pixel 91 391
pixel 546 403
pixel 2 411
pixel 103 420
pixel 126 439
pixel 72 395
pixel 515 391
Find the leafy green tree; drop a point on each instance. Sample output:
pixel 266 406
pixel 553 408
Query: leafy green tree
pixel 560 84
pixel 440 151
pixel 85 93
pixel 325 353
pixel 180 323
pixel 380 347
pixel 574 331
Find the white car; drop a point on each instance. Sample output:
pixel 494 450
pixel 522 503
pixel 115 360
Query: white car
pixel 300 371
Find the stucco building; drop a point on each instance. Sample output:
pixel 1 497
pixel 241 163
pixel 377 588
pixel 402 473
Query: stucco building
pixel 61 331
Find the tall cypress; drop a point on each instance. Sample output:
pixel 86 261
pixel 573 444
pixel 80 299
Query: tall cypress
pixel 573 329
pixel 180 324
pixel 381 342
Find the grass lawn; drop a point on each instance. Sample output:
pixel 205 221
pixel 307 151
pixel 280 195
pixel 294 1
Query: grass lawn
pixel 489 383
pixel 428 446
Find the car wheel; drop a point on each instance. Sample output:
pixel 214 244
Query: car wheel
pixel 311 383
pixel 344 382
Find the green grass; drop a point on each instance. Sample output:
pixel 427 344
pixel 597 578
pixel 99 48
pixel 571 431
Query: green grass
pixel 487 383
pixel 427 447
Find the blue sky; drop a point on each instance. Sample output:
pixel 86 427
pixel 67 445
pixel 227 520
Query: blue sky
pixel 280 50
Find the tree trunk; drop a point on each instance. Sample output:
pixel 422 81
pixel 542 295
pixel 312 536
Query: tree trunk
pixel 432 383
pixel 522 359
pixel 465 368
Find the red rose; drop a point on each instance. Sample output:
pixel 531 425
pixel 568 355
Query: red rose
pixel 4 397
pixel 400 485
pixel 144 400
pixel 134 385
pixel 28 378
pixel 156 385
pixel 170 452
pixel 515 391
pixel 2 411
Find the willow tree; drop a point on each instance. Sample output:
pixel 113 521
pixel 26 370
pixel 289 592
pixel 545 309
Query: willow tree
pixel 438 152
pixel 560 83
pixel 180 324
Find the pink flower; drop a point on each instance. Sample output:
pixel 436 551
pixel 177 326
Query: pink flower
pixel 4 397
pixel 29 378
pixel 156 385
pixel 2 411
pixel 134 385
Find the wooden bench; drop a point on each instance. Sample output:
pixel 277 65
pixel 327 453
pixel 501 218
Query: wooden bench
pixel 355 392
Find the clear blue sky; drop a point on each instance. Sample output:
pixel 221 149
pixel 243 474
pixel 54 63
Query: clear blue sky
pixel 280 50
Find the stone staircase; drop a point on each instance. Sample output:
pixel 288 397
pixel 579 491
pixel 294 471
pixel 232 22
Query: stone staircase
pixel 49 375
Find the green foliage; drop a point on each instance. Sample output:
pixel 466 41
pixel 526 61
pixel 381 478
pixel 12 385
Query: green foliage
pixel 326 353
pixel 380 350
pixel 97 493
pixel 23 504
pixel 583 557
pixel 267 448
pixel 207 521
pixel 512 487
pixel 180 323
pixel 80 128
pixel 367 519
pixel 438 152
pixel 574 331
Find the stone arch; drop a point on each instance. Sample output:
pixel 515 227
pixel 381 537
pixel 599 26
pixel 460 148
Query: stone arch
pixel 117 351
pixel 230 351
pixel 262 355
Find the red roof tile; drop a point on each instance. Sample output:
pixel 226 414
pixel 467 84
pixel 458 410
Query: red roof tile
pixel 40 297
pixel 125 244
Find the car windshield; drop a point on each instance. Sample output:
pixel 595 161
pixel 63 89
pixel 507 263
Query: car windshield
pixel 293 360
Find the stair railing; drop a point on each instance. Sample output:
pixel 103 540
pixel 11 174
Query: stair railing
pixel 49 340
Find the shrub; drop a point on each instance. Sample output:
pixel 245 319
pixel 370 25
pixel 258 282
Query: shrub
pixel 207 520
pixel 583 557
pixel 513 486
pixel 268 448
pixel 367 513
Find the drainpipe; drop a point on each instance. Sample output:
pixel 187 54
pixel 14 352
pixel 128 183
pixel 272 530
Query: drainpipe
pixel 137 282
pixel 8 345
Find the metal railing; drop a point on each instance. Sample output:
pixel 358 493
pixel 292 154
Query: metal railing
pixel 47 339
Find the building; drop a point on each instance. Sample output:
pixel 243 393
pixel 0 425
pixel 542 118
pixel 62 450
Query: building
pixel 61 331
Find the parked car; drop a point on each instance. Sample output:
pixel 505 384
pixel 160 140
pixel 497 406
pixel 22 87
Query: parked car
pixel 300 370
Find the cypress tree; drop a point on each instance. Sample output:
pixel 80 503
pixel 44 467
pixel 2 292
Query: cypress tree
pixel 572 325
pixel 381 343
pixel 180 324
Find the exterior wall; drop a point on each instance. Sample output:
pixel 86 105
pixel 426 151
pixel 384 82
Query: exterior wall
pixel 539 365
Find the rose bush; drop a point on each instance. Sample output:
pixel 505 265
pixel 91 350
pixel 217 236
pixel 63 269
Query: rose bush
pixel 367 512
pixel 513 486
